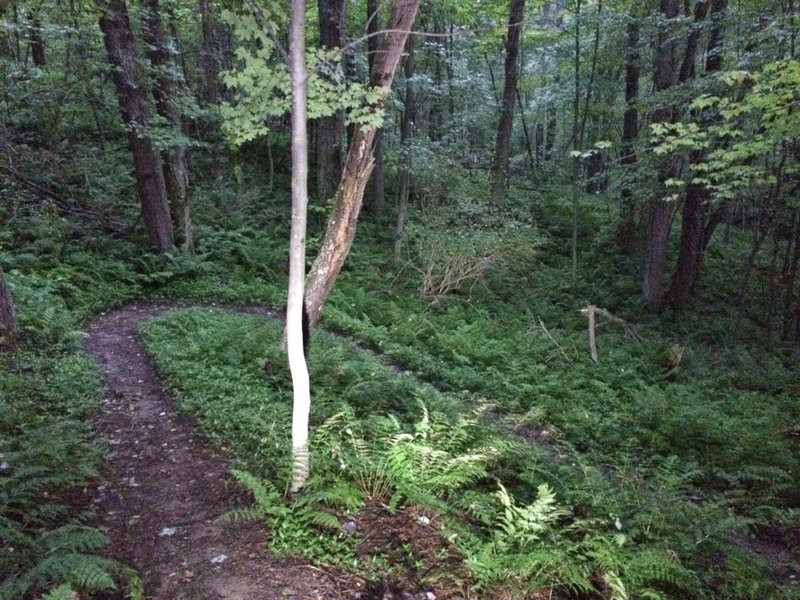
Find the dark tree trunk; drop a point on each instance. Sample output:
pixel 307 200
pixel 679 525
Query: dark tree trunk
pixel 626 230
pixel 35 40
pixel 209 55
pixel 330 130
pixel 715 40
pixel 8 319
pixel 693 228
pixel 595 163
pixel 130 85
pixel 341 227
pixel 406 133
pixel 538 140
pixel 790 277
pixel 504 127
pixel 657 211
pixel 373 47
pixel 550 133
pixel 687 71
pixel 176 170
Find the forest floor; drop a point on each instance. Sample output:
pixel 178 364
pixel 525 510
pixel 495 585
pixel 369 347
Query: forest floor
pixel 167 488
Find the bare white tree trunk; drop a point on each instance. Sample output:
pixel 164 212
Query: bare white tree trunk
pixel 297 250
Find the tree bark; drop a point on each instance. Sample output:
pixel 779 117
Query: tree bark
pixel 687 71
pixel 341 227
pixel 297 250
pixel 8 319
pixel 657 210
pixel 373 47
pixel 504 126
pixel 129 82
pixel 35 40
pixel 208 54
pixel 330 130
pixel 576 141
pixel 176 169
pixel 626 230
pixel 693 227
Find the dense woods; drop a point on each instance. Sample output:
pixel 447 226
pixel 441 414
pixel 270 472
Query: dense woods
pixel 543 268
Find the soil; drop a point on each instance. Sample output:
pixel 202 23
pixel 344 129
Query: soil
pixel 167 487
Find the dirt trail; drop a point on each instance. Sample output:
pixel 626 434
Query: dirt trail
pixel 167 487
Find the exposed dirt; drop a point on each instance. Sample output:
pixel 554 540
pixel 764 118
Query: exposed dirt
pixel 167 487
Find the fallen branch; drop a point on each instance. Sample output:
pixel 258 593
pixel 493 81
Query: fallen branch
pixel 552 339
pixel 591 311
pixel 65 205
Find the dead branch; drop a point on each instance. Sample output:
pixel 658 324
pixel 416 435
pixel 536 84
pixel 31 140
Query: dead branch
pixel 591 312
pixel 64 206
pixel 543 327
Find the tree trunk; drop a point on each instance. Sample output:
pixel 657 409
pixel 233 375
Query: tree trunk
pixel 595 162
pixel 504 127
pixel 341 227
pixel 657 210
pixel 626 230
pixel 576 142
pixel 373 47
pixel 550 133
pixel 8 319
pixel 297 250
pixel 406 133
pixel 176 170
pixel 129 82
pixel 692 243
pixel 330 130
pixel 687 71
pixel 790 277
pixel 35 40
pixel 208 54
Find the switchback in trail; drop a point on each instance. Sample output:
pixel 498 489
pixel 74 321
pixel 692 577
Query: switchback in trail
pixel 167 487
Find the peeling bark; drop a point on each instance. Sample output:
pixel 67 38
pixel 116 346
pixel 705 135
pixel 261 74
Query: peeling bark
pixel 341 227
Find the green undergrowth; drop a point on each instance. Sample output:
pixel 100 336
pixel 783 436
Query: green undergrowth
pixel 538 516
pixel 49 458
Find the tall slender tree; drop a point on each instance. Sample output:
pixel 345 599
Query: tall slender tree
pixel 626 230
pixel 406 133
pixel 176 168
pixel 505 124
pixel 697 196
pixel 130 83
pixel 657 210
pixel 297 249
pixel 373 47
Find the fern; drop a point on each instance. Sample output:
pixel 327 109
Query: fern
pixel 62 592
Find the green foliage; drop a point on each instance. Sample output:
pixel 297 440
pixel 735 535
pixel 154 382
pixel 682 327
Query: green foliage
pixel 47 454
pixel 263 88
pixel 441 457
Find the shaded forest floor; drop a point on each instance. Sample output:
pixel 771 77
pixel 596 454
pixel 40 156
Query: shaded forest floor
pixel 168 489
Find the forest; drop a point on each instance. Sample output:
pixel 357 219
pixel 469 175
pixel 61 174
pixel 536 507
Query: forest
pixel 399 299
